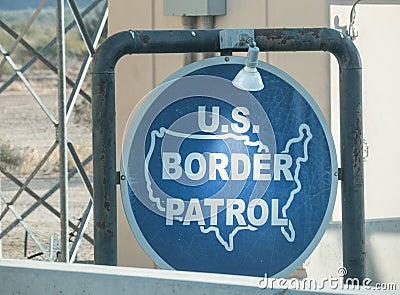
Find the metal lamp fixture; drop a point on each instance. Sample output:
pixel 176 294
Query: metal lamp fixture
pixel 249 78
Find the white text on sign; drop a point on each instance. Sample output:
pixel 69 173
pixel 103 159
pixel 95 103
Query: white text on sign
pixel 212 163
pixel 235 211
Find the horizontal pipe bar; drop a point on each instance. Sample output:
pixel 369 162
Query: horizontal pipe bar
pixel 181 41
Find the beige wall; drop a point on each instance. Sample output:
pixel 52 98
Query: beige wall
pixel 310 69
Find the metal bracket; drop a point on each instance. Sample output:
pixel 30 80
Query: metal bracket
pixel 365 150
pixel 118 177
pixel 232 39
pixel 340 174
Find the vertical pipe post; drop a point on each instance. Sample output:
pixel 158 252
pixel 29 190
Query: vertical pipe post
pixel 104 169
pixel 62 131
pixel 351 139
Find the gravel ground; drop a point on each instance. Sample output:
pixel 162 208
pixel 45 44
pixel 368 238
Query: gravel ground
pixel 26 128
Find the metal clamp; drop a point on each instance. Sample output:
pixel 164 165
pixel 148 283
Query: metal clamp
pixel 234 38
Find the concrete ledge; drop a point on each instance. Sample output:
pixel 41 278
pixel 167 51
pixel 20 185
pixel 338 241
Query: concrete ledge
pixel 30 277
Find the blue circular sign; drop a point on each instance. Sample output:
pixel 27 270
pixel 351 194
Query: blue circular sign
pixel 218 179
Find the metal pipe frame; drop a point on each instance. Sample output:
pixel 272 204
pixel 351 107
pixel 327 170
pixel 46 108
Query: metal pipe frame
pixel 29 179
pixel 26 227
pixel 86 62
pixel 39 55
pixel 81 26
pixel 183 41
pixel 41 200
pixel 65 109
pixel 27 85
pixel 27 26
pixel 89 208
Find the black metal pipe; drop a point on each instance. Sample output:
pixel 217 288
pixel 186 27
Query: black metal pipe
pixel 351 141
pixel 181 41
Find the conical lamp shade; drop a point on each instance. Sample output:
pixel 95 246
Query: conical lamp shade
pixel 248 79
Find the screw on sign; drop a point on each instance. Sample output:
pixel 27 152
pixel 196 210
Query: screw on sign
pixel 223 180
